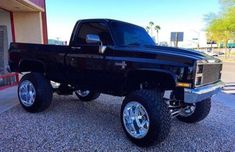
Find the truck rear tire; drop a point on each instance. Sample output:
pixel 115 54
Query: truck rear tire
pixel 145 117
pixel 35 92
pixel 195 112
pixel 87 95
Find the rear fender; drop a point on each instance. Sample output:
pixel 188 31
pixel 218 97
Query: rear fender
pixel 27 65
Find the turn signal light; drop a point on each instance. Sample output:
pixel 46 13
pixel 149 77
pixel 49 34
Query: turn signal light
pixel 183 84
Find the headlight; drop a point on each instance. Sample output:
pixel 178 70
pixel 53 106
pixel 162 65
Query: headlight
pixel 199 72
pixel 198 81
pixel 199 69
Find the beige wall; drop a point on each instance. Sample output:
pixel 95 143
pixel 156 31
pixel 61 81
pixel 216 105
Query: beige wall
pixel 28 27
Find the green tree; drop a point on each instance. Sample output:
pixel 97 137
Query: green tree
pixel 222 28
pixel 208 18
pixel 227 3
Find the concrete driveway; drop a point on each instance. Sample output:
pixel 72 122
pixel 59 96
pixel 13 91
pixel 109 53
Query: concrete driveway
pixel 8 99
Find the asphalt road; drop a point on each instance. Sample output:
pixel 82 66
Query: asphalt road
pixel 228 72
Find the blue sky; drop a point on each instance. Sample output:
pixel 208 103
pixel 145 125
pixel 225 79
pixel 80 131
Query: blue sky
pixel 171 15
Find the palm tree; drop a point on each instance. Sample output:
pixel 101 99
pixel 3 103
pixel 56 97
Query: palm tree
pixel 151 24
pixel 152 27
pixel 157 28
pixel 147 28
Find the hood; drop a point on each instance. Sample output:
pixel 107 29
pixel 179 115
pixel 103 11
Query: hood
pixel 188 54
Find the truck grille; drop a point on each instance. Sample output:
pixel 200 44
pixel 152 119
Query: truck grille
pixel 207 73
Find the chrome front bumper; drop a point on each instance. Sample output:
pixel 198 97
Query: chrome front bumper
pixel 201 93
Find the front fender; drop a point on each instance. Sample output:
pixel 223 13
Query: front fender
pixel 156 77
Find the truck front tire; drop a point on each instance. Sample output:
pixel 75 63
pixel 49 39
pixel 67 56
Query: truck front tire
pixel 199 111
pixel 35 92
pixel 87 95
pixel 145 117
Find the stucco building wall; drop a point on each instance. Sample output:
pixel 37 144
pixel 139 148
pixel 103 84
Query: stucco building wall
pixel 28 27
pixel 21 21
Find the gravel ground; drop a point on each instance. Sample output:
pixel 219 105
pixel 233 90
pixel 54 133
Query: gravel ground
pixel 70 125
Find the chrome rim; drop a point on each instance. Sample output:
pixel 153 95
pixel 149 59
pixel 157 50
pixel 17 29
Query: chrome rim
pixel 136 119
pixel 188 110
pixel 27 93
pixel 83 93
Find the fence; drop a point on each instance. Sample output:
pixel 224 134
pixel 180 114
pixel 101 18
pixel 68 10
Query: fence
pixel 8 80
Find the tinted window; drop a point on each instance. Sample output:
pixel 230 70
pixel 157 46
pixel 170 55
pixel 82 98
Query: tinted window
pixel 94 28
pixel 128 34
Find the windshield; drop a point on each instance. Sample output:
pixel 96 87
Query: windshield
pixel 127 35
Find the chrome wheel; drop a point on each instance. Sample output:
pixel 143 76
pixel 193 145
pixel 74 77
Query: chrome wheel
pixel 136 120
pixel 188 110
pixel 27 93
pixel 83 93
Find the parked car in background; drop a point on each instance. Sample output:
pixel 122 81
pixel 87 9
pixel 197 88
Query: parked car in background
pixel 212 54
pixel 209 52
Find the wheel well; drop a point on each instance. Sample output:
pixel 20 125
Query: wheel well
pixel 150 80
pixel 33 66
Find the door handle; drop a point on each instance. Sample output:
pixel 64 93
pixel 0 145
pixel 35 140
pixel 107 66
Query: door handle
pixel 76 47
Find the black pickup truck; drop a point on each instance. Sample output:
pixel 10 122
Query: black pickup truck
pixel 120 59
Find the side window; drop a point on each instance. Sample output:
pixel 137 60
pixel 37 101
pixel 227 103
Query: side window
pixel 97 28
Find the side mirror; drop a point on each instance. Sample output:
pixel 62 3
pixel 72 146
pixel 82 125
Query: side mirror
pixel 95 39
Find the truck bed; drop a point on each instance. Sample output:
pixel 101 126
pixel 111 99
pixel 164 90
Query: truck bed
pixel 50 56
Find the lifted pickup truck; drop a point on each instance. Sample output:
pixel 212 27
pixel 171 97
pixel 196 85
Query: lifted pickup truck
pixel 121 59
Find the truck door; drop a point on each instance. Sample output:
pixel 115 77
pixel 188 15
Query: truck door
pixel 86 64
